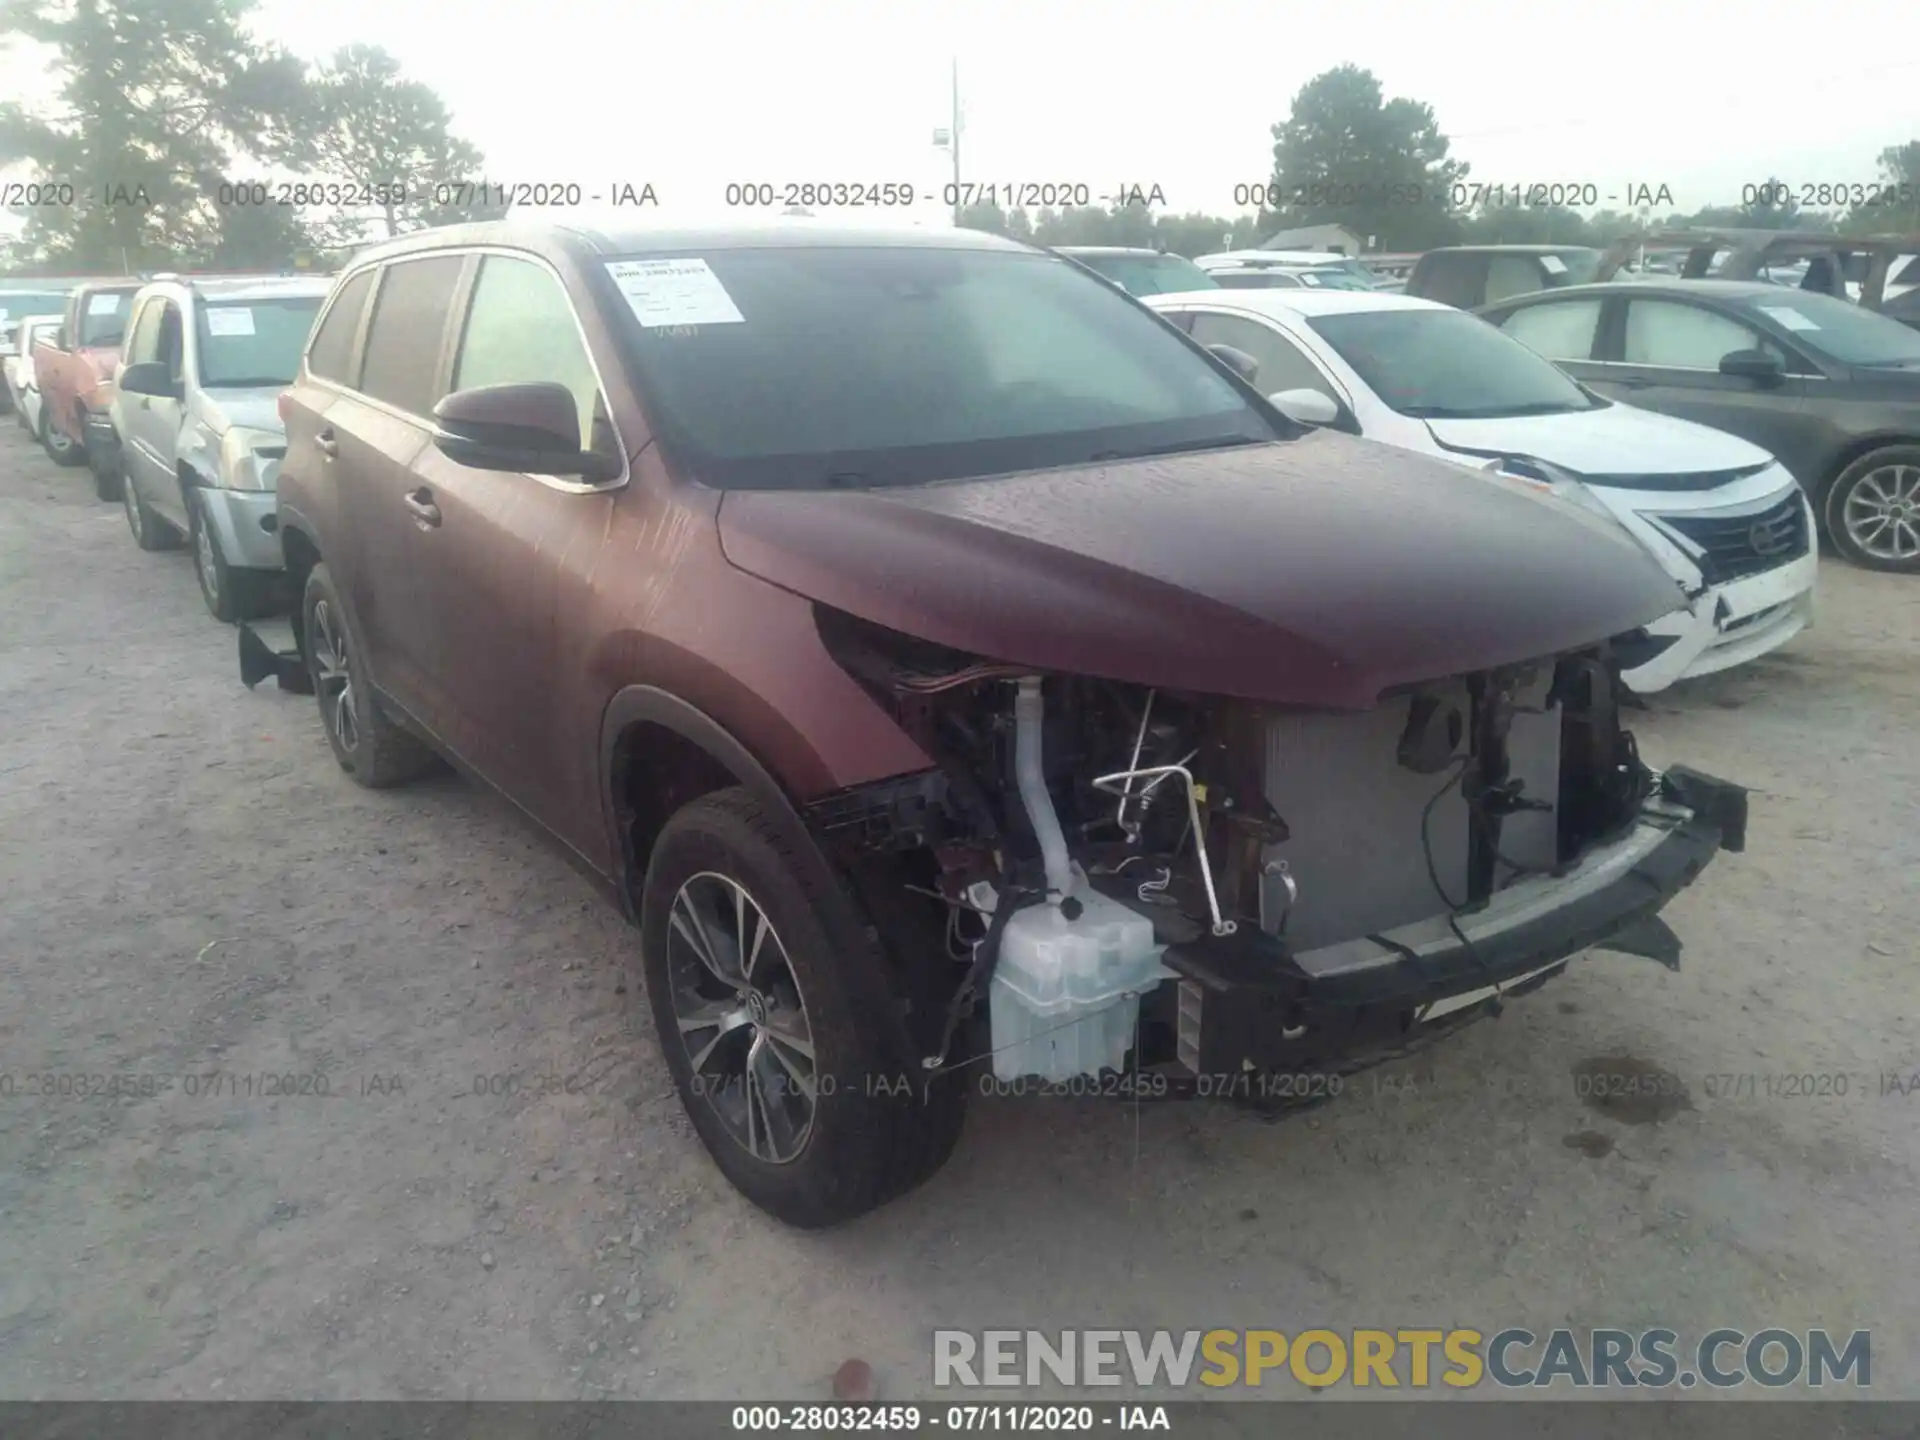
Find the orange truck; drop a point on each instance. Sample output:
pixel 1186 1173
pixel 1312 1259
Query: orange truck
pixel 75 370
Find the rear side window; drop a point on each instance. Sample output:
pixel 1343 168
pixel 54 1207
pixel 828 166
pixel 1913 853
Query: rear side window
pixel 331 354
pixel 1559 332
pixel 409 322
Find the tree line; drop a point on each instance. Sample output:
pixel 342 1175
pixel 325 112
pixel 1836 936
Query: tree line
pixel 1382 169
pixel 167 111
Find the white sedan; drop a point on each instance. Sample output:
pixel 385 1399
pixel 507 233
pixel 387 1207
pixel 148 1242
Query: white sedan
pixel 1722 515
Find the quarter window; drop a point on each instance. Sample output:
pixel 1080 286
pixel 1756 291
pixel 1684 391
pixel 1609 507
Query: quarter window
pixel 1686 337
pixel 410 311
pixel 1559 332
pixel 331 354
pixel 521 329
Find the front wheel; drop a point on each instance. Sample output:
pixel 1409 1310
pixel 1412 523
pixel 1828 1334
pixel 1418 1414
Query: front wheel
pixel 1873 510
pixel 232 593
pixel 149 531
pixel 761 980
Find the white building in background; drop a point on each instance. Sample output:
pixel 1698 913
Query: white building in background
pixel 1336 239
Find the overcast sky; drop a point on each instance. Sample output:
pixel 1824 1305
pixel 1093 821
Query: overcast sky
pixel 692 96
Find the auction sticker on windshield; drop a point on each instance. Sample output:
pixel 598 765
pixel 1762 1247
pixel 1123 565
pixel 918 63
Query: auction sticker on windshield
pixel 229 320
pixel 1790 318
pixel 103 304
pixel 674 292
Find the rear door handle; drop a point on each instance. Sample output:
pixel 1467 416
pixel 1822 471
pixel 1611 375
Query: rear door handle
pixel 426 514
pixel 326 444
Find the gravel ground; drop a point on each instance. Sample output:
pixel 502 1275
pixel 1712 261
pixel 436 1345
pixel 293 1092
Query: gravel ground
pixel 189 889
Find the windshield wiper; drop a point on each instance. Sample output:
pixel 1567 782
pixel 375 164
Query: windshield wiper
pixel 1219 443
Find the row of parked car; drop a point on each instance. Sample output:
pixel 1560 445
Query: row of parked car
pixel 954 666
pixel 1826 386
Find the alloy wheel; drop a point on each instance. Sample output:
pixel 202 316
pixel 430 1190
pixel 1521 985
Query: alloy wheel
pixel 205 558
pixel 333 675
pixel 1881 512
pixel 741 1018
pixel 58 439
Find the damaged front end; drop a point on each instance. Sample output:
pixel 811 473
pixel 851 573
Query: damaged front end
pixel 1123 878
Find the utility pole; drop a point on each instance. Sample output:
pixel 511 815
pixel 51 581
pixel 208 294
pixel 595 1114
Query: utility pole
pixel 956 142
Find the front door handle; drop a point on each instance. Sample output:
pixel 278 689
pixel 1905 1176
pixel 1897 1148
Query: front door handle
pixel 426 514
pixel 326 444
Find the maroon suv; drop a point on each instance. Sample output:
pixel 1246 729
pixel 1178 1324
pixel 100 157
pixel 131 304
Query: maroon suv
pixel 961 677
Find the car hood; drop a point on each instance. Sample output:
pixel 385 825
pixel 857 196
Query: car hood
pixel 255 408
pixel 1316 572
pixel 1610 445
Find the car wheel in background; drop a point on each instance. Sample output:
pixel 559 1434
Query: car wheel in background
pixel 60 449
pixel 150 532
pixel 231 594
pixel 765 990
pixel 1872 510
pixel 369 746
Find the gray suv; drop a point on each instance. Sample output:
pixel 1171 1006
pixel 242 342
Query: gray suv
pixel 199 428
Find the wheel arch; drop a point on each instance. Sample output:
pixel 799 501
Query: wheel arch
pixel 1855 448
pixel 657 753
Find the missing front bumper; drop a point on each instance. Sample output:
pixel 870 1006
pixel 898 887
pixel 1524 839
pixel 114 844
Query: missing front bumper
pixel 1248 1002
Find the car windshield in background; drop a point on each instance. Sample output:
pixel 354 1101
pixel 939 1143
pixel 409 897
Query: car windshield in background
pixel 1840 330
pixel 254 342
pixel 1150 274
pixel 1582 267
pixel 1448 365
pixel 17 305
pixel 103 318
pixel 1332 277
pixel 814 366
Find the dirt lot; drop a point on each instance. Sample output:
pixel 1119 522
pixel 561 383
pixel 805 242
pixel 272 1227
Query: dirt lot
pixel 192 890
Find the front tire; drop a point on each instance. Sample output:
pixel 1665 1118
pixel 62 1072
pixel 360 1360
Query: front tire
pixel 766 991
pixel 372 749
pixel 149 531
pixel 231 593
pixel 1872 510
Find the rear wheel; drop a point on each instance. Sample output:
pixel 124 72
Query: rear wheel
pixel 61 449
pixel 761 981
pixel 1873 510
pixel 369 746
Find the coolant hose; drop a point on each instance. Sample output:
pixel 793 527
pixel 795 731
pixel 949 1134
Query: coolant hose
pixel 1029 715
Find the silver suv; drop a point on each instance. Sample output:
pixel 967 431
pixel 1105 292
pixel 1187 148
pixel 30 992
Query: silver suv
pixel 198 422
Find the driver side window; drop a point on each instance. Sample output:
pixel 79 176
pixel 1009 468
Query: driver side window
pixel 1686 337
pixel 521 330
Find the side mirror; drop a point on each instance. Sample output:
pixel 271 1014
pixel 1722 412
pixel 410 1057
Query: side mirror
pixel 1306 406
pixel 532 428
pixel 1244 364
pixel 1755 365
pixel 149 377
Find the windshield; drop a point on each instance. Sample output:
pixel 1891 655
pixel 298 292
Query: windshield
pixel 103 319
pixel 809 366
pixel 1840 330
pixel 1150 274
pixel 1333 277
pixel 17 305
pixel 254 342
pixel 1448 365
